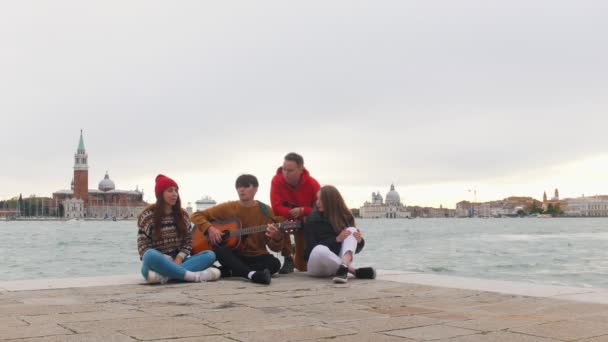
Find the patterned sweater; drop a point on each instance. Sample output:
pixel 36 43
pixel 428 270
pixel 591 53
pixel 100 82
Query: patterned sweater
pixel 170 243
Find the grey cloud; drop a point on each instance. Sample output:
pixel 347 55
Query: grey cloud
pixel 421 91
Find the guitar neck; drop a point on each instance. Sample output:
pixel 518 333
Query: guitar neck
pixel 253 230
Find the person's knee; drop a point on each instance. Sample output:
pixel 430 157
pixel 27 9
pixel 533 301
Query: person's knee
pixel 204 259
pixel 151 254
pixel 319 251
pixel 210 255
pixel 144 271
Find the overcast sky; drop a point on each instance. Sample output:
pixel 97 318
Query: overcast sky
pixel 504 97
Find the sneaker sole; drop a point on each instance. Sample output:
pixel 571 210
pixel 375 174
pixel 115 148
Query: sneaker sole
pixel 339 280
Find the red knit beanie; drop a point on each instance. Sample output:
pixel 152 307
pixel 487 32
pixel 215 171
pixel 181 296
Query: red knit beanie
pixel 162 183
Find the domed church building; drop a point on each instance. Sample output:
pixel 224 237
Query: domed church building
pixel 391 208
pixel 105 202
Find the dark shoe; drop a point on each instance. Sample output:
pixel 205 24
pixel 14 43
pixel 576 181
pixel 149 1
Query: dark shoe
pixel 287 266
pixel 365 273
pixel 341 275
pixel 261 277
pixel 224 271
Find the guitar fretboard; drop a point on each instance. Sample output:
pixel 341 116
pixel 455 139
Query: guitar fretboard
pixel 257 229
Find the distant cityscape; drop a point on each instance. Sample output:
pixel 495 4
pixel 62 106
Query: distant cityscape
pixel 392 207
pixel 104 203
pixel 107 202
pixel 79 202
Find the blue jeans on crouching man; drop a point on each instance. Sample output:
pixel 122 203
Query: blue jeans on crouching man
pixel 159 263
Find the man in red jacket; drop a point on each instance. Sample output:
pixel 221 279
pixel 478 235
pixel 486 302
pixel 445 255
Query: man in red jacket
pixel 293 194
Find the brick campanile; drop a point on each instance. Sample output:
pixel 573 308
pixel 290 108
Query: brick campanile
pixel 81 172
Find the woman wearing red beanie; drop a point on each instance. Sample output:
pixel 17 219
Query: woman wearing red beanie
pixel 164 240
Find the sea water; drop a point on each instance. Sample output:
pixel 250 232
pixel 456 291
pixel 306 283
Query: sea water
pixel 557 251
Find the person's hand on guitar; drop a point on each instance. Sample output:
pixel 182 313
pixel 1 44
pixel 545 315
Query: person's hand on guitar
pixel 273 232
pixel 295 212
pixel 215 236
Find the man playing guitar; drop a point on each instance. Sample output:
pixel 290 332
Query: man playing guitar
pixel 251 260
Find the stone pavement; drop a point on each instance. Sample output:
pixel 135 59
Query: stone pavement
pixel 294 307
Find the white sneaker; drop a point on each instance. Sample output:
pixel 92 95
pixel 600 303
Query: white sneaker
pixel 155 278
pixel 210 274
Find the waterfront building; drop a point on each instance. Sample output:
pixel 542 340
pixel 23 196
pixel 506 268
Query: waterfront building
pixel 73 208
pixel 105 202
pixel 391 208
pixel 510 206
pixel 204 203
pixel 430 212
pixel 465 209
pixel 9 213
pixel 554 201
pixel 593 206
pixel 32 206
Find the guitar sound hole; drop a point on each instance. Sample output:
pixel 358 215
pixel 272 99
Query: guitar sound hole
pixel 225 237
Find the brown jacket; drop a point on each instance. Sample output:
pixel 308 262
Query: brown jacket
pixel 253 244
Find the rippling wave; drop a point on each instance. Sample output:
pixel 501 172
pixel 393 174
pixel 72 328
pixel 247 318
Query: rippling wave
pixel 545 251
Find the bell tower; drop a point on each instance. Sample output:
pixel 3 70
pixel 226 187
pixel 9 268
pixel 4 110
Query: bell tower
pixel 81 172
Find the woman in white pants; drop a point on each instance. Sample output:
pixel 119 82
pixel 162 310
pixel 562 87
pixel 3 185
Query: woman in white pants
pixel 332 239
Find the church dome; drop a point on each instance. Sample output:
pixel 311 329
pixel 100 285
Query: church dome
pixel 106 184
pixel 393 196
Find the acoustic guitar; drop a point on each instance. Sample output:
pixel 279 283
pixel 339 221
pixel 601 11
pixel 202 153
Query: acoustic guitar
pixel 232 232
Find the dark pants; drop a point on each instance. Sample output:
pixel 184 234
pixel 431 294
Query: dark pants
pixel 238 265
pixel 298 254
pixel 287 249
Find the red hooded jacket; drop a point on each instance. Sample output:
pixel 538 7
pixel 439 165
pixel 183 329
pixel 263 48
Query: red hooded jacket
pixel 284 197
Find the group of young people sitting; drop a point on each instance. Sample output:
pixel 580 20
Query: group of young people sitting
pixel 324 246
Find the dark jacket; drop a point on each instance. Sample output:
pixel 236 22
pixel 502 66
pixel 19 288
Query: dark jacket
pixel 318 231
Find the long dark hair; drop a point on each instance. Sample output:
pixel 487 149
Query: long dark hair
pixel 176 211
pixel 335 210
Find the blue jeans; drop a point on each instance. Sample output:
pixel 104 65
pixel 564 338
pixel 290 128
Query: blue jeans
pixel 159 263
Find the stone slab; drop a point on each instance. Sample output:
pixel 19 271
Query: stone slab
pixel 565 330
pixel 294 307
pixel 593 295
pixel 101 337
pixel 432 332
pixel 32 331
pixel 501 336
pixel 52 283
pixel 366 337
pixel 293 334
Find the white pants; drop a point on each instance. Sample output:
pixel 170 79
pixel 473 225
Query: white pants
pixel 322 262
